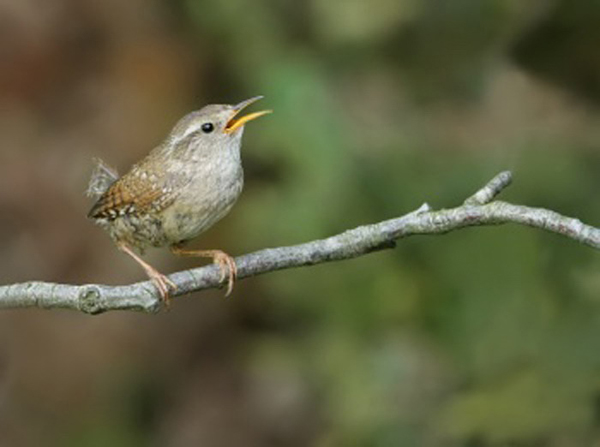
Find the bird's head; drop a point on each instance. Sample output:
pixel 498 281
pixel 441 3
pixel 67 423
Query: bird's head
pixel 214 127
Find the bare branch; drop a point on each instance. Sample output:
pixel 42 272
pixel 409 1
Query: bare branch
pixel 491 190
pixel 477 210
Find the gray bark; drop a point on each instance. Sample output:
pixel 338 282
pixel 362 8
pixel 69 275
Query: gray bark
pixel 479 209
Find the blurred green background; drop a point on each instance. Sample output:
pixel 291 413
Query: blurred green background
pixel 481 337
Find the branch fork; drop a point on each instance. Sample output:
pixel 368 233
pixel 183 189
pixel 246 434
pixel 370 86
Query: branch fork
pixel 478 209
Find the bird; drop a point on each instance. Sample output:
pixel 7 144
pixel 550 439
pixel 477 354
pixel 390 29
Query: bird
pixel 181 188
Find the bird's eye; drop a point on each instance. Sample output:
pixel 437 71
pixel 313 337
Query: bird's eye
pixel 207 127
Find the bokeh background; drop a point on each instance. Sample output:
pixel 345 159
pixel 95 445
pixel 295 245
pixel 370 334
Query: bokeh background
pixel 482 337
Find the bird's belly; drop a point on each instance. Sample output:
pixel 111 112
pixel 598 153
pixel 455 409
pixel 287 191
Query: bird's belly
pixel 188 218
pixel 138 231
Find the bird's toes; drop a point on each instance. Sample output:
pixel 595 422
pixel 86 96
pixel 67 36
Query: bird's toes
pixel 162 283
pixel 228 271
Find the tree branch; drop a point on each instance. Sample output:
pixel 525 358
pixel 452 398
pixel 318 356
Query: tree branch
pixel 479 209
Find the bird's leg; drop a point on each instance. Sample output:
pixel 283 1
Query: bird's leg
pixel 225 262
pixel 161 282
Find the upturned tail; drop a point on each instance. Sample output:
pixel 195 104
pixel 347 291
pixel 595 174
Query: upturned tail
pixel 103 176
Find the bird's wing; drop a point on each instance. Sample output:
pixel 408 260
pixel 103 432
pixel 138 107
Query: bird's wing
pixel 135 192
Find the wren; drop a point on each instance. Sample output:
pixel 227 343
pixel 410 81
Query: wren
pixel 180 189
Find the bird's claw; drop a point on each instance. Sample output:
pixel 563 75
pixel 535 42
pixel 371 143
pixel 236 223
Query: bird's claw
pixel 163 284
pixel 228 270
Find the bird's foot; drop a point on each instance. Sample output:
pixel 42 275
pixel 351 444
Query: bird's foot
pixel 228 269
pixel 225 262
pixel 163 284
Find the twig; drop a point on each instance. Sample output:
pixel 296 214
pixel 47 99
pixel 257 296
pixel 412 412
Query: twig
pixel 491 190
pixel 476 210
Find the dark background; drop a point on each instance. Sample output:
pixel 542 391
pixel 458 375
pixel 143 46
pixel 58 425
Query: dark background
pixel 482 337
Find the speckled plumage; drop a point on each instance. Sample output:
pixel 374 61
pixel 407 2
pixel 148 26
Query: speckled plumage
pixel 180 189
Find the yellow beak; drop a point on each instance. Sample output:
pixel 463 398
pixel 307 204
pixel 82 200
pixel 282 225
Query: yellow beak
pixel 235 123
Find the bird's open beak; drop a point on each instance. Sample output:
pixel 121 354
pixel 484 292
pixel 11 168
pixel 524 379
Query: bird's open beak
pixel 235 123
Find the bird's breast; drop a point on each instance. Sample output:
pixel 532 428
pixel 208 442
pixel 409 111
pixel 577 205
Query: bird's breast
pixel 207 198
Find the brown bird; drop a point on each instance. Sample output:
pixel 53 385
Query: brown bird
pixel 179 190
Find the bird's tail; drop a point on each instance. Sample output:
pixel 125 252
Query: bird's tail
pixel 102 177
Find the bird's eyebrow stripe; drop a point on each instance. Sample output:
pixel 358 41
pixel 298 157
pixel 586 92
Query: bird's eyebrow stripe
pixel 189 131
